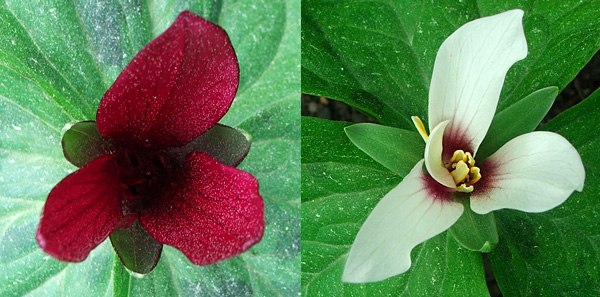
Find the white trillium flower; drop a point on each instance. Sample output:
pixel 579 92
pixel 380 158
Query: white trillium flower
pixel 534 172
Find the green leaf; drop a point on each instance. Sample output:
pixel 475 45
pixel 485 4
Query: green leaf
pixel 396 149
pixel 378 55
pixel 520 118
pixel 557 252
pixel 82 143
pixel 340 187
pixel 58 58
pixel 137 250
pixel 475 232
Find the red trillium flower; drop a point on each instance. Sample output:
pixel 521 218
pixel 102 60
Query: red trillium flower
pixel 156 168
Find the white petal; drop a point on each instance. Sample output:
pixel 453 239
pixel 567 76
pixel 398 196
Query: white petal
pixel 534 172
pixel 469 72
pixel 433 157
pixel 405 217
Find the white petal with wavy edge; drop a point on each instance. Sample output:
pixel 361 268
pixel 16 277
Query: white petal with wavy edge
pixel 469 72
pixel 534 172
pixel 405 217
pixel 433 156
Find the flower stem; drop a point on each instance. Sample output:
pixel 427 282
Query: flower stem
pixel 121 279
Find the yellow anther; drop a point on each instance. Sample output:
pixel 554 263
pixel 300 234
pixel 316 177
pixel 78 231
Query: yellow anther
pixel 460 173
pixel 469 159
pixel 459 155
pixel 420 127
pixel 465 189
pixel 474 175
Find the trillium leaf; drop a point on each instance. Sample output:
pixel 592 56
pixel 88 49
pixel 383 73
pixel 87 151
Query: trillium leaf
pixel 226 144
pixel 82 143
pixel 557 251
pixel 522 117
pixel 378 56
pixel 59 58
pixel 396 149
pixel 340 187
pixel 475 232
pixel 137 250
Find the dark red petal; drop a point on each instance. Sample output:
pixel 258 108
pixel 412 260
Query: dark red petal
pixel 211 213
pixel 81 211
pixel 174 89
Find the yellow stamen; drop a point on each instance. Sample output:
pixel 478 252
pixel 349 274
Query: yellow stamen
pixel 461 172
pixel 420 127
pixel 461 166
pixel 464 189
pixel 459 155
pixel 474 175
pixel 469 159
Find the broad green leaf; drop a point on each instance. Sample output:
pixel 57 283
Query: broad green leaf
pixel 340 187
pixel 557 253
pixel 58 58
pixel 520 118
pixel 396 149
pixel 378 55
pixel 475 232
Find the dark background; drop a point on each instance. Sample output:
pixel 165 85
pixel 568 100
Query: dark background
pixel 585 83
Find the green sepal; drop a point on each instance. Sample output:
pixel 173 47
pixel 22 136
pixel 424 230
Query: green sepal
pixel 137 250
pixel 475 232
pixel 226 144
pixel 519 118
pixel 82 143
pixel 396 149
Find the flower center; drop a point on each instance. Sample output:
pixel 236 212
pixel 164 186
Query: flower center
pixel 463 170
pixel 461 166
pixel 139 172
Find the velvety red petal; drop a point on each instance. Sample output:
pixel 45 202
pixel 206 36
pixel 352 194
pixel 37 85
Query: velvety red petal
pixel 81 211
pixel 211 212
pixel 174 89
